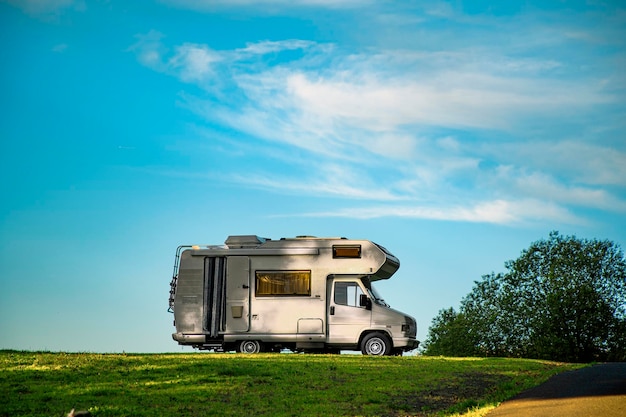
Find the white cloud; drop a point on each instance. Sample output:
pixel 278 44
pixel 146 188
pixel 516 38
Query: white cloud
pixel 194 63
pixel 327 180
pixel 361 96
pixel 381 92
pixel 540 185
pixel 476 134
pixel 207 5
pixel 266 47
pixel 150 50
pixel 592 164
pixel 59 47
pixel 496 212
pixel 47 8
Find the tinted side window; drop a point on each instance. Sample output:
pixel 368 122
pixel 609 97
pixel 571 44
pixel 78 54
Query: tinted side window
pixel 270 283
pixel 347 293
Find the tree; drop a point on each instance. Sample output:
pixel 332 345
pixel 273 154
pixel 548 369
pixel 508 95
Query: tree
pixel 563 299
pixel 449 336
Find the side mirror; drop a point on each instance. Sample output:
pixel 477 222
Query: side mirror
pixel 364 301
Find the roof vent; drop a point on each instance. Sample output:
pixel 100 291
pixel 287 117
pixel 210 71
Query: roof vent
pixel 244 241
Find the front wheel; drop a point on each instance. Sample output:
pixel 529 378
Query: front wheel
pixel 376 344
pixel 250 346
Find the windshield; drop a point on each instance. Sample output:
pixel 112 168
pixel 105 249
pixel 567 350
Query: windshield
pixel 374 295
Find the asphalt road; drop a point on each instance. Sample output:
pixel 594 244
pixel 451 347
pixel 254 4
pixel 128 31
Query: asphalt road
pixel 598 390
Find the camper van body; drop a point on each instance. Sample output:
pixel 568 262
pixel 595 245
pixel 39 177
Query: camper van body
pixel 304 294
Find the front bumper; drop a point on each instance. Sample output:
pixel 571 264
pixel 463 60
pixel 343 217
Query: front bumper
pixel 405 343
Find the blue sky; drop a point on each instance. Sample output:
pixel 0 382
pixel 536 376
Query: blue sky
pixel 452 133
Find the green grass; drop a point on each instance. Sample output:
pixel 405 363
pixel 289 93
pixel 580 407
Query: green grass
pixel 205 384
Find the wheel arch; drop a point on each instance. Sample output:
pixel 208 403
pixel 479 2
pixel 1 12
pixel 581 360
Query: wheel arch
pixel 370 331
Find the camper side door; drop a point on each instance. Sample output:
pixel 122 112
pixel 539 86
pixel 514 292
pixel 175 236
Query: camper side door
pixel 238 294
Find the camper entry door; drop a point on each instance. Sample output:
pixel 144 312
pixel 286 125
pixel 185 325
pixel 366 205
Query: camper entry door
pixel 238 294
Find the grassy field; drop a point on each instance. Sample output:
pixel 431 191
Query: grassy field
pixel 205 384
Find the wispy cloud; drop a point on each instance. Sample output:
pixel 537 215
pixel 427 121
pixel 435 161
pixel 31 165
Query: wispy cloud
pixel 330 181
pixel 47 9
pixel 194 63
pixel 480 133
pixel 581 161
pixel 59 47
pixel 494 212
pixel 202 5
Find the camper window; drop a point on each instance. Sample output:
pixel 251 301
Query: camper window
pixel 277 283
pixel 348 294
pixel 346 251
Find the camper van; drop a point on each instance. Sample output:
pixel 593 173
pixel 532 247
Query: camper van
pixel 303 294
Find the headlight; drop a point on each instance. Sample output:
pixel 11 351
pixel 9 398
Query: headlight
pixel 409 328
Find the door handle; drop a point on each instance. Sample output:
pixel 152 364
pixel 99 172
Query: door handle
pixel 332 310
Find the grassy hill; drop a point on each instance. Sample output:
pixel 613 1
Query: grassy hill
pixel 206 384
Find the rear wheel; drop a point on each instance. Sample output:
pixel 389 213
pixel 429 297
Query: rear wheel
pixel 250 346
pixel 376 344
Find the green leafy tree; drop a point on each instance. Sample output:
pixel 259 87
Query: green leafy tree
pixel 563 299
pixel 449 336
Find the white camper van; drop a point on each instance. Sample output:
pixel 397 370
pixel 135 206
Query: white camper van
pixel 304 294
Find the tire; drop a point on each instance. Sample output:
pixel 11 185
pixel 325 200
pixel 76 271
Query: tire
pixel 376 344
pixel 250 346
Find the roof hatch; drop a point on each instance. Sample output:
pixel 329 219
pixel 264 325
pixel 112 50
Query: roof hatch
pixel 244 241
